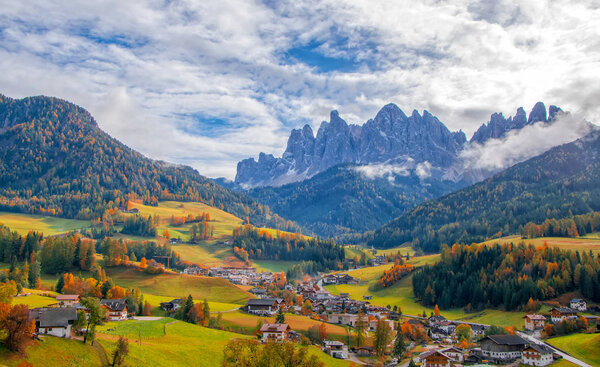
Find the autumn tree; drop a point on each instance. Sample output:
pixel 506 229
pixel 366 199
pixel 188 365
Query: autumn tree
pixel 383 336
pixel 115 292
pixel 147 309
pixel 360 328
pixel 15 322
pixel 120 352
pixel 323 331
pixel 463 332
pixel 436 311
pixel 143 263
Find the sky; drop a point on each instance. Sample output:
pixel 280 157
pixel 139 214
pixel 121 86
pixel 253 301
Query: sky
pixel 208 83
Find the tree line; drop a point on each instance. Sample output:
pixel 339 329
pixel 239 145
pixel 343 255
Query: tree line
pixel 578 225
pixel 507 275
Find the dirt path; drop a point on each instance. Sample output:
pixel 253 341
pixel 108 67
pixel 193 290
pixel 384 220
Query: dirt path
pixel 101 353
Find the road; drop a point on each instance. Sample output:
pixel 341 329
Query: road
pixel 559 352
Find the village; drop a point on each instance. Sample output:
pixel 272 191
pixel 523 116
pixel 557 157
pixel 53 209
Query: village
pixel 430 340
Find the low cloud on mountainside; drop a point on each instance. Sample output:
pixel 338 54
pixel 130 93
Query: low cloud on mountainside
pixel 520 145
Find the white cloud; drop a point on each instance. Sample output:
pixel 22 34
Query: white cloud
pixel 423 170
pixel 149 71
pixel 520 145
pixel 372 171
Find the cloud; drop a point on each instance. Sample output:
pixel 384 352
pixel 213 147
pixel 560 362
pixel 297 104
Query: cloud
pixel 209 83
pixel 423 170
pixel 373 171
pixel 520 145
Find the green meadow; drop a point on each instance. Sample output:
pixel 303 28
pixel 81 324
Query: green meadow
pixel 582 346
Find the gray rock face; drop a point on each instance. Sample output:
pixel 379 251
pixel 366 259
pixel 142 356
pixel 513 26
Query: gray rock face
pixel 391 137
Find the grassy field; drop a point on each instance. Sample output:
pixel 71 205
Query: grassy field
pixel 587 243
pixel 273 266
pixel 51 351
pixel 171 285
pixel 401 295
pixel 207 254
pixel 49 226
pixel 582 346
pixel 34 301
pixel 168 342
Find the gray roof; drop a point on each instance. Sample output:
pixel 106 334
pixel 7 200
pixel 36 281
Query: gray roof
pixel 506 339
pixel 54 317
pixel 542 349
pixel 261 302
pixel 114 304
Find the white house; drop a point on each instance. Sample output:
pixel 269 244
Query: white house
pixel 457 354
pixel 343 318
pixel 534 322
pixel 335 349
pixel 116 309
pixel 537 355
pixel 559 314
pixel 54 321
pixel 578 304
pixel 67 300
pixel 276 333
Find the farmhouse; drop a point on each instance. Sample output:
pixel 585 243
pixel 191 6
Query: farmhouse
pixel 67 300
pixel 171 305
pixel 343 318
pixel 456 354
pixel 276 333
pixel 329 279
pixel 578 304
pixel 537 355
pixel 534 322
pixel 372 325
pixel 345 279
pixel 502 348
pixel 262 306
pixel 54 321
pixel 436 320
pixel 195 270
pixel 335 349
pixel 559 314
pixel 116 309
pixel 258 292
pixel 435 358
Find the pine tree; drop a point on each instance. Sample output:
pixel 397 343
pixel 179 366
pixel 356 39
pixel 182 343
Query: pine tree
pixel 60 283
pixel 34 273
pixel 280 319
pixel 399 345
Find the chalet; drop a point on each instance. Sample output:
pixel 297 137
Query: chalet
pixel 456 354
pixel 378 260
pixel 321 295
pixel 578 304
pixel 372 325
pixel 437 334
pixel 67 300
pixel 534 322
pixel 116 309
pixel 447 326
pixel 343 318
pixel 54 321
pixel 478 330
pixel 436 320
pixel 258 292
pixel 502 348
pixel 559 314
pixel 345 279
pixel 276 333
pixel 537 355
pixel 262 306
pixel 329 279
pixel 171 305
pixel 335 349
pixel 434 358
pixel 364 351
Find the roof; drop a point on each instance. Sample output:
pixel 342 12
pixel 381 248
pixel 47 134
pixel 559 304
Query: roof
pixel 332 342
pixel 564 310
pixel 506 339
pixel 542 349
pixel 430 353
pixel 54 317
pixel 437 318
pixel 114 304
pixel 279 328
pixel 261 302
pixel 67 297
pixel 577 300
pixel 534 316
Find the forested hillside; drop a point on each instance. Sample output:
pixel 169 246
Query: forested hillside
pixel 342 200
pixel 509 275
pixel 54 159
pixel 562 182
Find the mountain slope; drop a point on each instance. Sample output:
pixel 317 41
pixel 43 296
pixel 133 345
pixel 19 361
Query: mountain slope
pixel 561 182
pixel 54 159
pixel 343 200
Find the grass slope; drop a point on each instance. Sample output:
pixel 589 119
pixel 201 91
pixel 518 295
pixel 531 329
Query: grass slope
pixel 49 226
pixel 587 243
pixel 52 351
pixel 582 346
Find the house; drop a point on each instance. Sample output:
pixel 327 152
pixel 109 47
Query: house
pixel 559 314
pixel 335 349
pixel 456 354
pixel 378 260
pixel 258 292
pixel 329 279
pixel 478 330
pixel 434 358
pixel 447 326
pixel 262 306
pixel 537 355
pixel 534 322
pixel 578 304
pixel 343 318
pixel 116 309
pixel 171 305
pixel 67 300
pixel 367 297
pixel 372 325
pixel 54 321
pixel 276 333
pixel 436 320
pixel 502 348
pixel 364 351
pixel 345 279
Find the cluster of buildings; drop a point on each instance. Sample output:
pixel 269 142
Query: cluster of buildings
pixel 441 329
pixel 236 275
pixel 58 320
pixel 535 322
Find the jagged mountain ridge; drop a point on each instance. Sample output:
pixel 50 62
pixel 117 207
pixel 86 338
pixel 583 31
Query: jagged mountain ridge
pixel 391 137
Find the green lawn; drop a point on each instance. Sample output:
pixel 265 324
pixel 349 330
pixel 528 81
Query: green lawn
pixel 48 225
pixel 582 346
pixel 273 266
pixel 51 352
pixel 34 301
